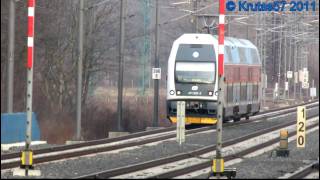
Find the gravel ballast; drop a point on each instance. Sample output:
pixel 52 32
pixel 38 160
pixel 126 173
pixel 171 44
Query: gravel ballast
pixel 95 163
pixel 266 166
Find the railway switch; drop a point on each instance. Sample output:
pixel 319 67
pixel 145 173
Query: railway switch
pixel 283 150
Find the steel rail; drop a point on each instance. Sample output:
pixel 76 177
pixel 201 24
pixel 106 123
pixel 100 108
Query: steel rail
pixel 43 159
pixel 226 158
pixel 182 156
pixel 126 137
pixel 300 174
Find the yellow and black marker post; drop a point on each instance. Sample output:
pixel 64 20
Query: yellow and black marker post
pixel 217 166
pixel 27 161
pixel 283 150
pixel 218 169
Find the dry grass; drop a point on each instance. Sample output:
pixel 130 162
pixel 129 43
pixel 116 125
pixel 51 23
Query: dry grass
pixel 57 129
pixel 99 115
pixel 101 112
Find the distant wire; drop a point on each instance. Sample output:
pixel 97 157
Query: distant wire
pixel 186 15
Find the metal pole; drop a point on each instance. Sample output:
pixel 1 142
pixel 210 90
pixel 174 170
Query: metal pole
pixel 156 81
pixel 30 55
pixel 29 107
pixel 273 50
pixel 295 61
pixel 295 70
pixel 80 66
pixel 121 58
pixel 10 75
pixel 220 84
pixel 31 12
pixel 285 66
pixel 279 70
pixel 289 62
pixel 261 17
pixel 300 84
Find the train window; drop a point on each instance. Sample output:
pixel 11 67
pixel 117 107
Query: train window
pixel 254 56
pixel 236 93
pixel 230 93
pixel 196 45
pixel 243 92
pixel 228 55
pixel 235 55
pixel 255 92
pixel 205 52
pixel 242 54
pixel 199 72
pixel 249 90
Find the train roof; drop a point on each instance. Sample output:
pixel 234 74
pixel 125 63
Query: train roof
pixel 229 41
pixel 240 51
pixel 235 42
pixel 237 51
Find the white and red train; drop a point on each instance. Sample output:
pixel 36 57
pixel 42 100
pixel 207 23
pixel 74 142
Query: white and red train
pixel 192 77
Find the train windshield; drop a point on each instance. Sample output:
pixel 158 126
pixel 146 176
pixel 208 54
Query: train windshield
pixel 187 72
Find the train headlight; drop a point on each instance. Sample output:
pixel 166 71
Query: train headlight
pixel 216 93
pixel 171 92
pixel 210 93
pixel 178 92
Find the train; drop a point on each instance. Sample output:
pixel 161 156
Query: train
pixel 192 77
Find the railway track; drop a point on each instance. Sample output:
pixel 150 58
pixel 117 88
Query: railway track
pixel 51 154
pixel 127 137
pixel 164 163
pixel 305 171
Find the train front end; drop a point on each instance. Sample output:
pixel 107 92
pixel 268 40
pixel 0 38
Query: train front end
pixel 192 77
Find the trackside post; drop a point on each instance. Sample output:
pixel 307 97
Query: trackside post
pixel 218 163
pixel 181 107
pixel 27 154
pixel 301 127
